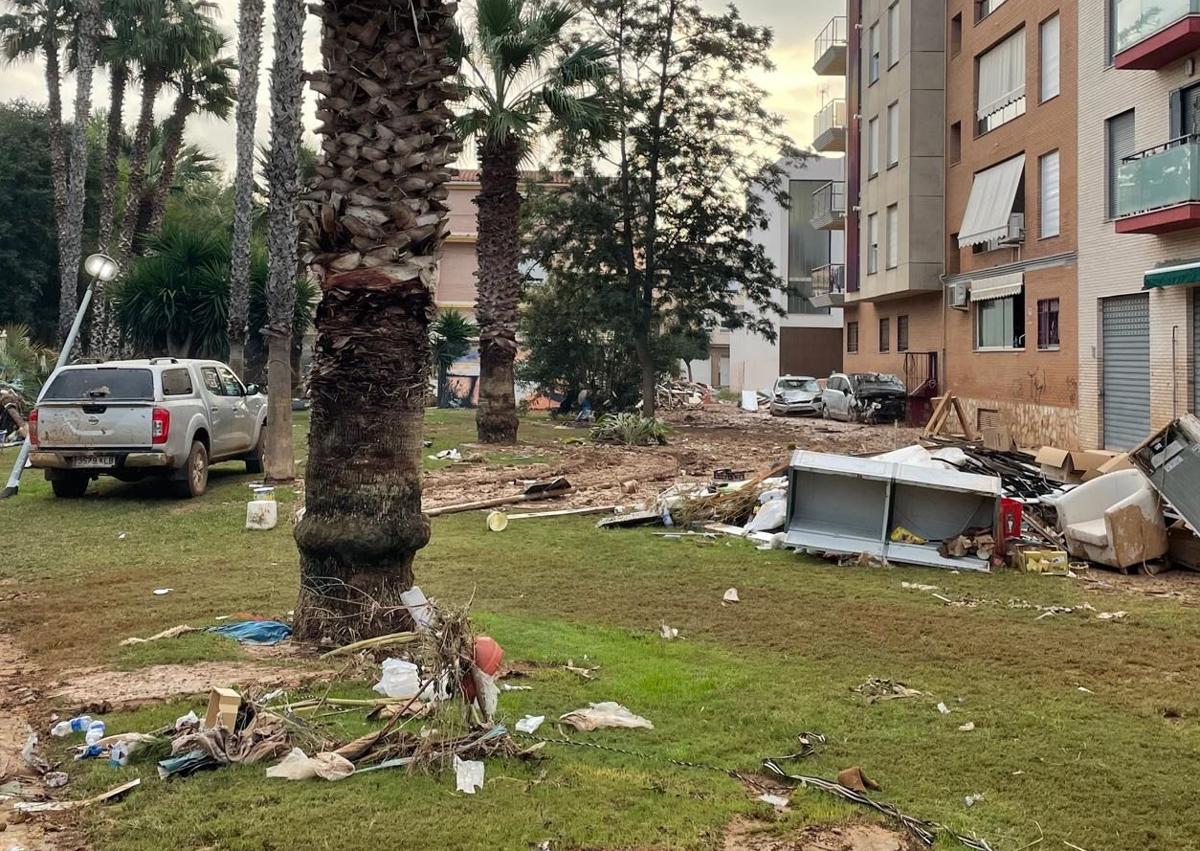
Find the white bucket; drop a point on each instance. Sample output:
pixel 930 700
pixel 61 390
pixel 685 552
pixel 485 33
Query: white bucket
pixel 262 514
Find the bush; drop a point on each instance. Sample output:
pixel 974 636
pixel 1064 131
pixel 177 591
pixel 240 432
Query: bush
pixel 630 430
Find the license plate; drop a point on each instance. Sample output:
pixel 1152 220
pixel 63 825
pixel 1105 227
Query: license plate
pixel 94 461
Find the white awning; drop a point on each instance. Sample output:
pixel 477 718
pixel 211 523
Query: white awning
pixel 1000 286
pixel 991 203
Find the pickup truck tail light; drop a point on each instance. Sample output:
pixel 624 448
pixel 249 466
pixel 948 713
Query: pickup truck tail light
pixel 160 426
pixel 31 426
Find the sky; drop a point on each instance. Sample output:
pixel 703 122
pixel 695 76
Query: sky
pixel 795 92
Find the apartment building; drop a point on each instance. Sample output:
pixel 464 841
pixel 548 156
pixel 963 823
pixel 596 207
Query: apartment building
pixel 1010 215
pixel 810 259
pixel 893 207
pixel 1139 216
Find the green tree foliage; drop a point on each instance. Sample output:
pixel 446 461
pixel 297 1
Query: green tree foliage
pixel 24 363
pixel 659 238
pixel 450 338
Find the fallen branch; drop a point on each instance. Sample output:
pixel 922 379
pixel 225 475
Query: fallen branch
pixel 377 641
pixel 497 501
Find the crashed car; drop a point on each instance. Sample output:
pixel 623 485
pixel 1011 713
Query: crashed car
pixel 864 397
pixel 795 394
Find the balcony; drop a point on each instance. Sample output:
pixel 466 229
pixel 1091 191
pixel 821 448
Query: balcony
pixel 829 286
pixel 1158 190
pixel 1151 34
pixel 829 206
pixel 829 127
pixel 829 50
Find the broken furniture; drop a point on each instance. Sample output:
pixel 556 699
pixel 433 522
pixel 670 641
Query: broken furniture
pixel 1115 520
pixel 1171 460
pixel 842 504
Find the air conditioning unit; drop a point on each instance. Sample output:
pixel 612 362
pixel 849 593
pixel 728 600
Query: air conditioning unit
pixel 960 296
pixel 1016 229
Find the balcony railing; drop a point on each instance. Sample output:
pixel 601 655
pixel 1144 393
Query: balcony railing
pixel 829 126
pixel 829 285
pixel 1161 177
pixel 829 206
pixel 1140 31
pixel 829 49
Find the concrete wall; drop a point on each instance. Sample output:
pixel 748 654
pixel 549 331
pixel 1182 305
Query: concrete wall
pixel 1114 264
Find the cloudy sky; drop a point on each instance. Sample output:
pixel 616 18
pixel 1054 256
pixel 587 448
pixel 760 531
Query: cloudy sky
pixel 795 92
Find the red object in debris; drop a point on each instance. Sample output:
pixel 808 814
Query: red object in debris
pixel 488 656
pixel 1011 513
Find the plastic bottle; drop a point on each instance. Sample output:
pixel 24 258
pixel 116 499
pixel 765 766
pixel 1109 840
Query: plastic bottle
pixel 77 724
pixel 95 732
pixel 118 755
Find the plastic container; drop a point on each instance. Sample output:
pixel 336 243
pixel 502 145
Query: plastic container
pixel 497 521
pixel 262 514
pixel 95 732
pixel 78 724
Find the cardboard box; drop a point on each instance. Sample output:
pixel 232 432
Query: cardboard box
pixel 1040 560
pixel 1055 463
pixel 998 438
pixel 223 705
pixel 1072 466
pixel 1118 461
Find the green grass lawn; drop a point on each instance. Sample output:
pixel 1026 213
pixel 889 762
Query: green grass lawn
pixel 1110 769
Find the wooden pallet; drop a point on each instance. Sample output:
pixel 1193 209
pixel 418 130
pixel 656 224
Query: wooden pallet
pixel 938 421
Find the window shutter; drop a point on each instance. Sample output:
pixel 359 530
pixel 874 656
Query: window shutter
pixel 1049 195
pixel 1051 64
pixel 1121 143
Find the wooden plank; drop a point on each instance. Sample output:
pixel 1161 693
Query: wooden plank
pixel 967 428
pixel 938 417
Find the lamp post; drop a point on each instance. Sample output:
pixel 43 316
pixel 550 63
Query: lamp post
pixel 101 268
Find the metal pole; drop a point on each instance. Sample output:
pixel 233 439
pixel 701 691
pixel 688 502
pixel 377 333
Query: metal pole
pixel 14 478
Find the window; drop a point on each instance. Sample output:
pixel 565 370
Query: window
pixel 1119 143
pixel 956 35
pixel 1047 314
pixel 893 134
pixel 872 243
pixel 852 337
pixel 885 333
pixel 1000 323
pixel 807 247
pixel 893 23
pixel 892 260
pixel 221 382
pixel 983 8
pixel 956 143
pixel 1050 63
pixel 873 146
pixel 1000 83
pixel 873 68
pixel 902 333
pixel 797 302
pixel 1048 206
pixel 176 382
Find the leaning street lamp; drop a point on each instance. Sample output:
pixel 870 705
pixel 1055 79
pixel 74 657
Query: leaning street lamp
pixel 103 269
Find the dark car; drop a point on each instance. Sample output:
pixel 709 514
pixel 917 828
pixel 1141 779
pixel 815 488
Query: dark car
pixel 864 397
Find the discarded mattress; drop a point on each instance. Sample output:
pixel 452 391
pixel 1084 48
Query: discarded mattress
pixel 843 504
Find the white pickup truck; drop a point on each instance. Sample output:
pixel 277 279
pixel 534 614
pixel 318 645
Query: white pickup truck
pixel 133 419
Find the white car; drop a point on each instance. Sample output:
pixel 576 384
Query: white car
pixel 795 394
pixel 864 397
pixel 133 419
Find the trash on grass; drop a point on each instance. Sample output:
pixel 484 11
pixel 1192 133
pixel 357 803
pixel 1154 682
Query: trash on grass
pixel 1111 616
pixel 917 586
pixel 262 514
pixel 446 455
pixel 223 706
pixel 971 800
pixel 61 806
pixel 966 728
pixel 402 679
pixel 943 709
pixel 191 721
pixel 779 802
pixel 254 632
pixel 731 596
pixel 606 714
pixel 56 779
pixel 173 632
pixel 468 775
pixel 298 765
pixel 876 689
pixel 162 592
pixel 857 779
pixel 668 632
pixel 530 723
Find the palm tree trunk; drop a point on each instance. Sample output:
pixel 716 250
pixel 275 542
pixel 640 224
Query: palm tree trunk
pixel 71 253
pixel 156 196
pixel 99 337
pixel 283 231
pixel 379 254
pixel 498 292
pixel 250 26
pixel 136 183
pixel 58 164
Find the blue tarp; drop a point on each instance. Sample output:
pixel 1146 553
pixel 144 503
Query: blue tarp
pixel 254 632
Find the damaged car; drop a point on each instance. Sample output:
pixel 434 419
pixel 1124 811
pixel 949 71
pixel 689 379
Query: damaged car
pixel 795 394
pixel 864 397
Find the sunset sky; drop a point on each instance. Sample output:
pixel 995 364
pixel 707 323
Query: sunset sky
pixel 795 91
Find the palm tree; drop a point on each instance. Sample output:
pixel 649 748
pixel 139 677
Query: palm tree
pixel 375 229
pixel 282 174
pixel 522 76
pixel 205 87
pixel 250 26
pixel 172 35
pixel 449 339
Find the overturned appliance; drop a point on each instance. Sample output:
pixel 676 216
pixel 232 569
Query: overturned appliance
pixel 1171 460
pixel 899 512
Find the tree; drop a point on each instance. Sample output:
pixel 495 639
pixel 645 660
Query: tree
pixel 449 339
pixel 282 175
pixel 661 236
pixel 250 26
pixel 375 228
pixel 521 75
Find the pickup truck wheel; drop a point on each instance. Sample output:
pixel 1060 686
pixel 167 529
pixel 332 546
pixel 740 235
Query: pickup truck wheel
pixel 70 486
pixel 195 473
pixel 254 461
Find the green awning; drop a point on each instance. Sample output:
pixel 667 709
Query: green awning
pixel 1172 276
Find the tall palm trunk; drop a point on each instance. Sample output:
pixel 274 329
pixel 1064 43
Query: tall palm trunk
pixel 71 253
pixel 138 157
pixel 118 79
pixel 283 233
pixel 498 291
pixel 58 164
pixel 250 25
pixel 155 196
pixel 377 229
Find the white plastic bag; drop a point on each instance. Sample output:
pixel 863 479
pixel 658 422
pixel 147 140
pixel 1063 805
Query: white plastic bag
pixel 530 723
pixel 298 765
pixel 468 775
pixel 606 714
pixel 401 679
pixel 769 518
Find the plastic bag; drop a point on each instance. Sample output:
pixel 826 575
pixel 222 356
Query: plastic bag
pixel 530 723
pixel 298 765
pixel 468 775
pixel 606 714
pixel 401 679
pixel 769 518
